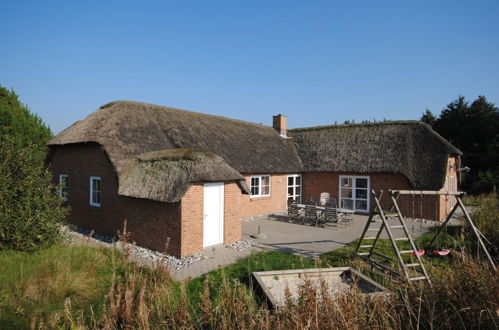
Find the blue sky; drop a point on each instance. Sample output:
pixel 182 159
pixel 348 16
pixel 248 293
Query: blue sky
pixel 315 61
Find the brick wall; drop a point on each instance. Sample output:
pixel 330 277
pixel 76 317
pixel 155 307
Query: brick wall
pixel 447 202
pixel 151 223
pixel 277 201
pixel 192 220
pixel 316 183
pixel 192 216
pixel 232 213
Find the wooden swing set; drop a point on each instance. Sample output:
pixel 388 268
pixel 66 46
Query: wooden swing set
pixel 409 271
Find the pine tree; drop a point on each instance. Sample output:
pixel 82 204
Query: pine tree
pixel 474 129
pixel 429 118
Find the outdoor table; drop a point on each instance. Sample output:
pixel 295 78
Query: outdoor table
pixel 322 208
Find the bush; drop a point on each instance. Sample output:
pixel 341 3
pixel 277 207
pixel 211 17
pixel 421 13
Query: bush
pixel 30 208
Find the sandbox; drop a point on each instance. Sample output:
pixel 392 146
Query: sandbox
pixel 337 279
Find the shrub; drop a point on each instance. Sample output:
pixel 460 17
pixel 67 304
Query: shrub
pixel 30 208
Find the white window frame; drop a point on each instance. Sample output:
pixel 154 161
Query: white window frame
pixel 353 177
pixel 295 194
pixel 61 195
pixel 259 177
pixel 92 178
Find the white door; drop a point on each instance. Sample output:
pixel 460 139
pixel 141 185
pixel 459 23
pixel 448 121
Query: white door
pixel 213 219
pixel 354 193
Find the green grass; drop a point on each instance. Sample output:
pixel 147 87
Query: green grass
pixel 35 285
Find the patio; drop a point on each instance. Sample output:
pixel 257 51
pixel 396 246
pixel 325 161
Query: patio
pixel 310 241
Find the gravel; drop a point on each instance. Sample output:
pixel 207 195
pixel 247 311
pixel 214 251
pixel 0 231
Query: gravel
pixel 76 235
pixel 241 245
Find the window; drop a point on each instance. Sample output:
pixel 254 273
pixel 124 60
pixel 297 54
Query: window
pixel 63 186
pixel 294 187
pixel 260 185
pixel 354 193
pixel 95 190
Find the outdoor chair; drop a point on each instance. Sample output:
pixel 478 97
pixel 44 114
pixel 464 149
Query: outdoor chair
pixel 310 214
pixel 331 216
pixel 293 211
pixel 316 200
pixel 332 202
pixel 346 218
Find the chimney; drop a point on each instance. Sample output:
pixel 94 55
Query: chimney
pixel 279 124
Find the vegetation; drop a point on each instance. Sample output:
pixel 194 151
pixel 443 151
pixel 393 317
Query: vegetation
pixel 30 208
pixel 84 287
pixel 473 128
pixel 41 287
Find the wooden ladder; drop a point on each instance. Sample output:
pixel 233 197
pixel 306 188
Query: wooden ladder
pixel 366 250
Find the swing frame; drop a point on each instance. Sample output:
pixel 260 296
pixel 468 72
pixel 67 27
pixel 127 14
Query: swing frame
pixel 459 203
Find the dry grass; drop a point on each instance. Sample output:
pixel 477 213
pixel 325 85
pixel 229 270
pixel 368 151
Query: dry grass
pixel 96 289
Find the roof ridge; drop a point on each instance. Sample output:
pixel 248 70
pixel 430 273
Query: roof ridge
pixel 377 123
pixel 162 107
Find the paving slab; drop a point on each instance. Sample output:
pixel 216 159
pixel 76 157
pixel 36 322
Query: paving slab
pixel 310 241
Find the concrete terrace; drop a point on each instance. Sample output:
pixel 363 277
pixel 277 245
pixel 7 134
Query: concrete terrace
pixel 304 240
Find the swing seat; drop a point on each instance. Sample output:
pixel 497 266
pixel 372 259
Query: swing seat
pixel 419 252
pixel 442 252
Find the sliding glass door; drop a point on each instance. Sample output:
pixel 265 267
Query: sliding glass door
pixel 354 193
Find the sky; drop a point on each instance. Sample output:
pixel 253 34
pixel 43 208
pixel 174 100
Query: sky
pixel 317 62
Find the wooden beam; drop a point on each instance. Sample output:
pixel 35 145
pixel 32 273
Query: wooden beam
pixel 427 192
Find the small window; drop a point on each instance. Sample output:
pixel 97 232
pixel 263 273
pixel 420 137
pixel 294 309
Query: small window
pixel 63 186
pixel 260 185
pixel 95 190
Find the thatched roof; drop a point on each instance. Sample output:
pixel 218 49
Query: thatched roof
pixel 166 176
pixel 126 129
pixel 130 131
pixel 410 148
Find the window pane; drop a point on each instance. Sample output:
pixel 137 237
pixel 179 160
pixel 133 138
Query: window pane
pixel 361 183
pixel 298 180
pixel 346 182
pixel 290 191
pixel 346 193
pixel 347 204
pixel 290 180
pixel 265 190
pixel 361 205
pixel 255 181
pixel 265 180
pixel 361 193
pixel 97 199
pixel 255 190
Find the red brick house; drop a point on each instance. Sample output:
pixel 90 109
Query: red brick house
pixel 191 177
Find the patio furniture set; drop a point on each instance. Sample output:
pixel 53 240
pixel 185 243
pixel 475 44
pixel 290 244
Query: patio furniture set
pixel 319 212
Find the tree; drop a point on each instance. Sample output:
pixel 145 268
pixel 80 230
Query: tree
pixel 30 208
pixel 429 118
pixel 474 129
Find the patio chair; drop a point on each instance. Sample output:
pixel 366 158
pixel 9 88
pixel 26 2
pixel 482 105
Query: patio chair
pixel 346 218
pixel 310 214
pixel 332 202
pixel 331 216
pixel 316 200
pixel 293 211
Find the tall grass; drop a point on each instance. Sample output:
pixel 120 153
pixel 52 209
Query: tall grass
pixel 486 219
pixel 83 287
pixel 463 298
pixel 34 286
